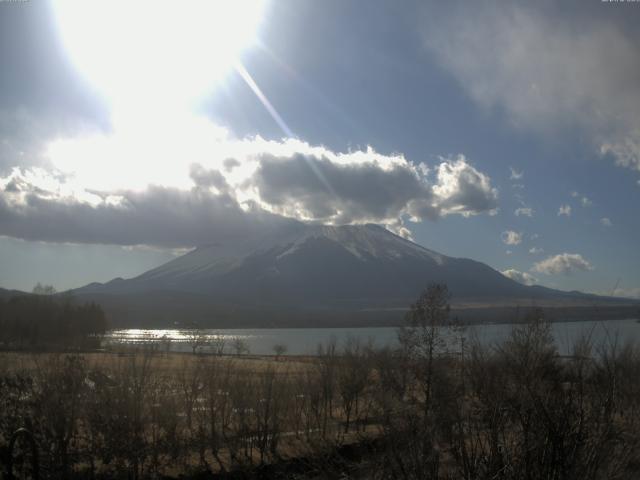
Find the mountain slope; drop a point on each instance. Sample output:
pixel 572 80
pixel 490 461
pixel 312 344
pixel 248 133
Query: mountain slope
pixel 6 294
pixel 310 274
pixel 318 264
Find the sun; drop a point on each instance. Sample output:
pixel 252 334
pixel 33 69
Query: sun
pixel 156 54
pixel 153 61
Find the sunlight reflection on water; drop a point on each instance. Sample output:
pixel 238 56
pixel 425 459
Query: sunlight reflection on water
pixel 304 341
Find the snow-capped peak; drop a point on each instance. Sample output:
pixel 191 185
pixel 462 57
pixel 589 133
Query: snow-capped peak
pixel 363 241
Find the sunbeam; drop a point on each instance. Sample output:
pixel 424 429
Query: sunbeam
pixel 278 119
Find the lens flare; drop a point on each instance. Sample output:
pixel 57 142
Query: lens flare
pixel 156 54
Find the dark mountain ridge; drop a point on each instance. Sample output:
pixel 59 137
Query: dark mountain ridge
pixel 313 275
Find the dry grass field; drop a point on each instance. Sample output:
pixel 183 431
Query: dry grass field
pixel 517 410
pixel 163 363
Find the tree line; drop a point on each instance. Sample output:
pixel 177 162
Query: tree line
pixel 43 319
pixel 438 406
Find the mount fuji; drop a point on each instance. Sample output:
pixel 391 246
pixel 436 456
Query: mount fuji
pixel 306 275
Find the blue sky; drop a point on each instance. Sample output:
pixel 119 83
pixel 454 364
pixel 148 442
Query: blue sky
pixel 415 114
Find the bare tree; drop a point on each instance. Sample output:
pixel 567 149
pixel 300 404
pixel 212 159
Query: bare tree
pixel 269 410
pixel 41 289
pixel 413 451
pixel 279 349
pixel 424 336
pixel 196 338
pixel 59 400
pixel 353 378
pixel 240 346
pixel 327 372
pixel 218 343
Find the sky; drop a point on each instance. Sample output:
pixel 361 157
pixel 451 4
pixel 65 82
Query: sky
pixel 506 132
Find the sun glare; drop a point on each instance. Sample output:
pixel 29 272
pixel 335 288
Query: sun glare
pixel 150 153
pixel 156 54
pixel 152 60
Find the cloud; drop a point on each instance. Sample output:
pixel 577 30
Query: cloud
pixel 360 187
pixel 24 136
pixel 546 69
pixel 535 250
pixel 625 149
pixel 524 211
pixel 509 237
pixel 606 222
pixel 584 200
pixel 317 188
pixel 520 277
pixel 209 179
pixel 105 190
pixel 459 189
pixel 160 216
pixel 564 263
pixel 564 210
pixel 515 175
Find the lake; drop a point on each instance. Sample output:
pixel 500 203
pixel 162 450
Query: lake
pixel 304 341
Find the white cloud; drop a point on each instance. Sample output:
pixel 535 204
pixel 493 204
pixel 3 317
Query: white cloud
pixel 509 237
pixel 606 222
pixel 564 263
pixel 564 210
pixel 536 250
pixel 584 200
pixel 46 208
pixel 524 211
pixel 546 69
pixel 24 135
pixel 515 175
pixel 625 149
pixel 337 189
pixel 130 189
pixel 520 277
pixel 462 189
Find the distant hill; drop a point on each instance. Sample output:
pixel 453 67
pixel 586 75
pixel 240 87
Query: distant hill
pixel 313 275
pixel 5 294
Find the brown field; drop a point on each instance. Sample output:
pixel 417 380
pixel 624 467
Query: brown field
pixel 164 363
pixel 516 411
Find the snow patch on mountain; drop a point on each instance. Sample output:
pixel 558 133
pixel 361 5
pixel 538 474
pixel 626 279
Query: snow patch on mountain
pixel 366 242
